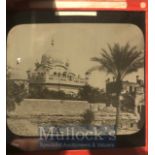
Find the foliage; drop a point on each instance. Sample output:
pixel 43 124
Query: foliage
pixel 39 92
pixel 91 94
pixel 88 117
pixel 16 92
pixel 119 61
pixel 88 93
pixel 35 91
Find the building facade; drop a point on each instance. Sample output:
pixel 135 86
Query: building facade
pixel 133 89
pixel 54 74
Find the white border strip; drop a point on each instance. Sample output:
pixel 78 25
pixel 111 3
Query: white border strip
pixel 3 76
pixel 76 13
pixel 68 4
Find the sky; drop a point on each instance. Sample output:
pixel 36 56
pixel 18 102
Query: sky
pixel 76 43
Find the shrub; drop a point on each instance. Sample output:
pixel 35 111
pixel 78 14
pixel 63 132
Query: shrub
pixel 88 117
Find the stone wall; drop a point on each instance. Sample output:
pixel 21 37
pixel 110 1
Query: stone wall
pixel 50 107
pixel 32 113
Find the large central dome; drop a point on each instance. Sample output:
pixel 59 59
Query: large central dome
pixel 52 56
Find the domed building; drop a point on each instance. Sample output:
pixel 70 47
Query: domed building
pixel 53 73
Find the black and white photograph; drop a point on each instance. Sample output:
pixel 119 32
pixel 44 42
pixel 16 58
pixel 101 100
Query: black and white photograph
pixel 75 74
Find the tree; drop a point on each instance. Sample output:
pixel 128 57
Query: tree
pixel 16 92
pixel 119 61
pixel 85 92
pixel 91 94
